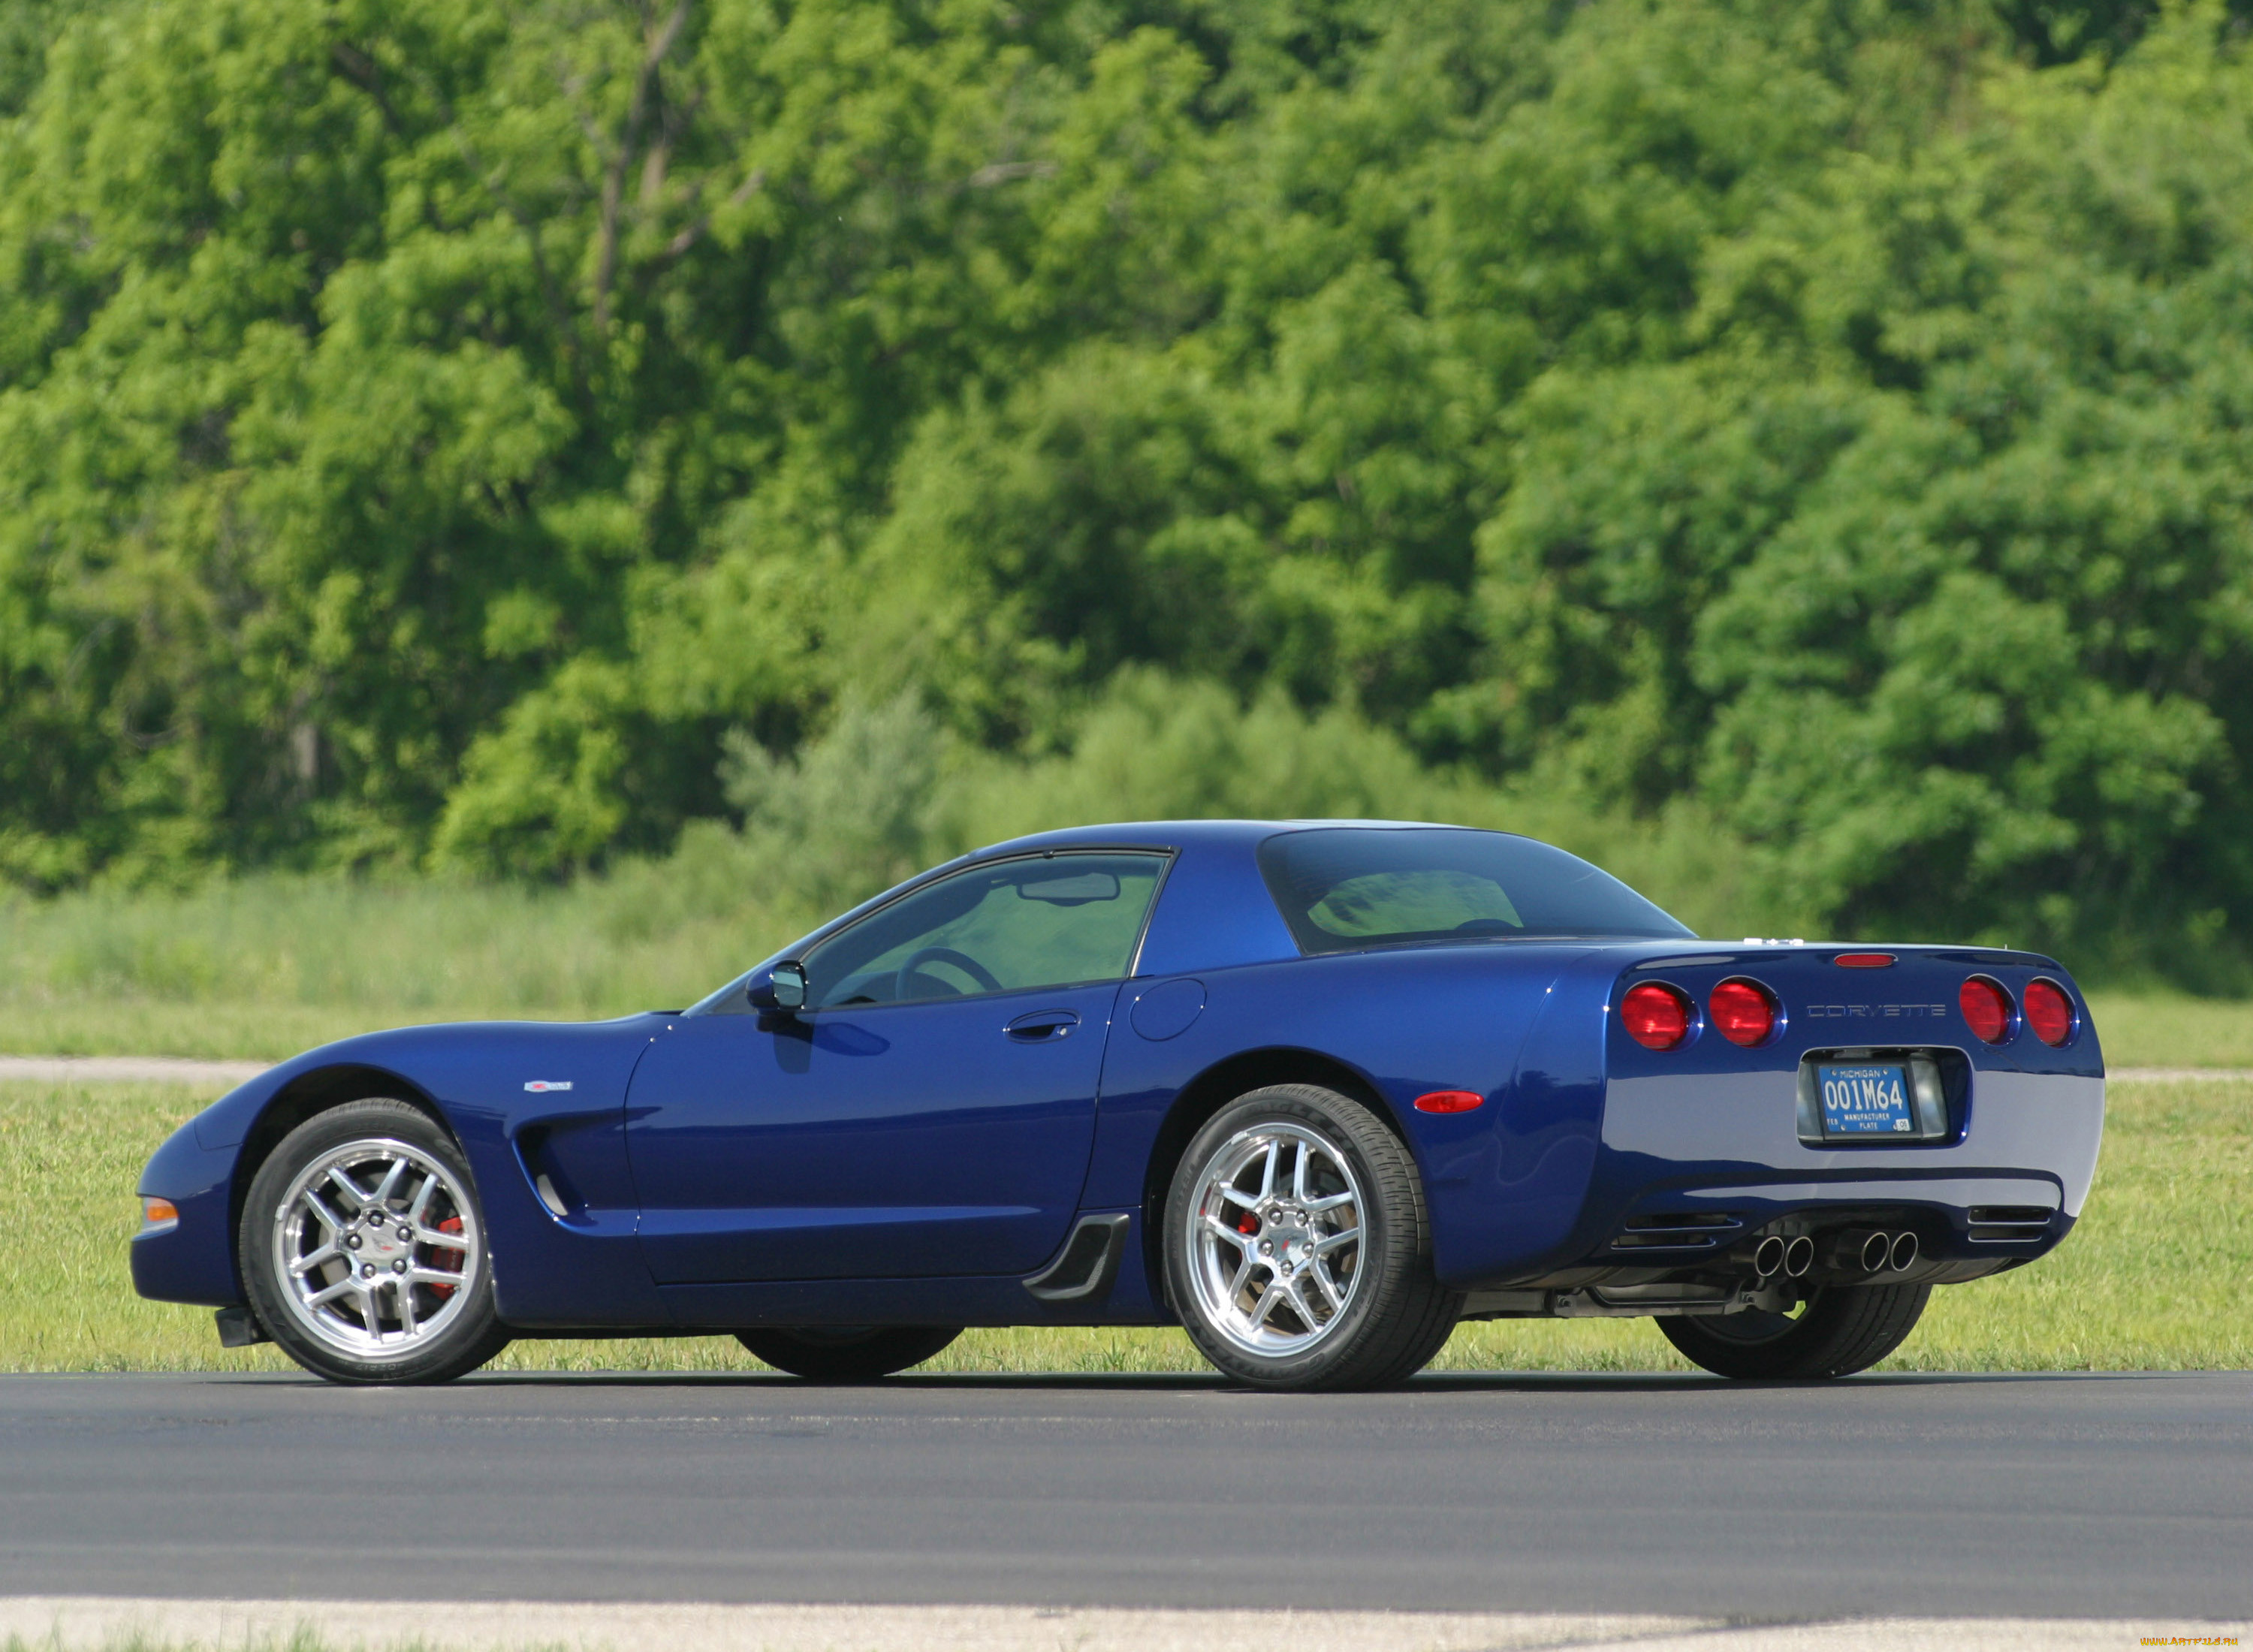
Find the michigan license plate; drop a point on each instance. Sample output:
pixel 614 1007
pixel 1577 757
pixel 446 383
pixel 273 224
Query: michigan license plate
pixel 1866 1100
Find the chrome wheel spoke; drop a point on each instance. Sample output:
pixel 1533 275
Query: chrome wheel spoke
pixel 378 1315
pixel 314 1258
pixel 351 1188
pixel 321 1213
pixel 1228 1232
pixel 389 1185
pixel 1253 1289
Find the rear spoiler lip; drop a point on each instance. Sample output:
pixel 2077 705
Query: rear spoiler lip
pixel 1693 954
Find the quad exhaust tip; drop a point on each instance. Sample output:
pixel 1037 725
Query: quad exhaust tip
pixel 1857 1250
pixel 1872 1250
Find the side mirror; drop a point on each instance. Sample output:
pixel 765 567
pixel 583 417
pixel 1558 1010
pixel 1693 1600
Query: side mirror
pixel 782 987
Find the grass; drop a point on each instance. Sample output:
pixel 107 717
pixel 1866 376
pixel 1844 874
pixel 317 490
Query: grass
pixel 265 967
pixel 2136 1287
pixel 2156 1031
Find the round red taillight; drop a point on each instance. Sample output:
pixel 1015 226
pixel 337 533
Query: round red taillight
pixel 1987 1008
pixel 1742 1011
pixel 2049 1011
pixel 1656 1016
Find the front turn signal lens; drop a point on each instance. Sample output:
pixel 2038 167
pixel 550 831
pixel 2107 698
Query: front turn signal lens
pixel 1656 1015
pixel 2049 1011
pixel 157 1213
pixel 1987 1008
pixel 1742 1011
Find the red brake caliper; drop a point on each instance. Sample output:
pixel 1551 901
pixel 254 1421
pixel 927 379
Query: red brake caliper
pixel 446 1259
pixel 1247 1223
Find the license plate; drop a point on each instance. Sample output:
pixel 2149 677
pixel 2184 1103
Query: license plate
pixel 1866 1100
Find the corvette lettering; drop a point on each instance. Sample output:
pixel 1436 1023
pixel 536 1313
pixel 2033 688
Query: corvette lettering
pixel 1872 1011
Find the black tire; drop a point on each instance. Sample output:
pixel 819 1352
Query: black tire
pixel 1395 1315
pixel 1841 1332
pixel 848 1353
pixel 458 1329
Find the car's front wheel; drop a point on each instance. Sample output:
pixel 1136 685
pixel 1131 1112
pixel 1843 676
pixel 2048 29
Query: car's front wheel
pixel 1837 1332
pixel 1298 1252
pixel 850 1353
pixel 365 1251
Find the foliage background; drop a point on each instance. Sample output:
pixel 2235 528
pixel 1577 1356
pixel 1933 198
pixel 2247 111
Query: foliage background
pixel 1794 450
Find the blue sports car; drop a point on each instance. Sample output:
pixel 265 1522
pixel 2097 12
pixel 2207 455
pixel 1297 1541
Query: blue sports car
pixel 1315 1091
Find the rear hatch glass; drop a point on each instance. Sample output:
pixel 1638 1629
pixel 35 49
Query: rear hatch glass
pixel 1342 888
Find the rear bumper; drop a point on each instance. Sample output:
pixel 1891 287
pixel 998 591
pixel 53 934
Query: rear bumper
pixel 1691 1166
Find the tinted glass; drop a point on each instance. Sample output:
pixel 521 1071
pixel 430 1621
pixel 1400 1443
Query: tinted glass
pixel 1340 887
pixel 1009 927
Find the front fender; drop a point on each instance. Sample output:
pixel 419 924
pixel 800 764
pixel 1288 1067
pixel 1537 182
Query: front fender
pixel 508 1092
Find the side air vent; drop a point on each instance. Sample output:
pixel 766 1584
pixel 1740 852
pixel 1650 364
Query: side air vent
pixel 1679 1231
pixel 1085 1268
pixel 2004 1224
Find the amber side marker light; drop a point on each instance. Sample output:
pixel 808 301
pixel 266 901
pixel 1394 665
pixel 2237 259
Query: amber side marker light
pixel 2049 1011
pixel 1656 1016
pixel 157 1213
pixel 1864 960
pixel 1449 1101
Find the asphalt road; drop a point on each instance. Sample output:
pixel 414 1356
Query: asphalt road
pixel 2044 1496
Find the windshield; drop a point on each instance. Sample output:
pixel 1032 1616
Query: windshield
pixel 1343 888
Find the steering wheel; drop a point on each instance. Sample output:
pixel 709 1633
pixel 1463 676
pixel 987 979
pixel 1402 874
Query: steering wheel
pixel 969 966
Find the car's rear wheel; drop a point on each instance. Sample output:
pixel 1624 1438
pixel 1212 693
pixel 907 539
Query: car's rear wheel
pixel 848 1353
pixel 1836 1333
pixel 365 1251
pixel 1298 1249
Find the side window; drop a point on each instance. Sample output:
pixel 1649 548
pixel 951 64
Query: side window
pixel 1012 926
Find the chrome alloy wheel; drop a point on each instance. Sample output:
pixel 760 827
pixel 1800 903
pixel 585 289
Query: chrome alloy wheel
pixel 377 1243
pixel 1275 1239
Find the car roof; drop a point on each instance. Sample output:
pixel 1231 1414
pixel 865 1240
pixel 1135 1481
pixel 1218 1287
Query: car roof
pixel 1168 835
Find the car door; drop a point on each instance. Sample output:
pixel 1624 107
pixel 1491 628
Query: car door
pixel 929 1113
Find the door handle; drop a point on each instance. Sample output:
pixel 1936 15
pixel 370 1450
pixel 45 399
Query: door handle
pixel 1043 1026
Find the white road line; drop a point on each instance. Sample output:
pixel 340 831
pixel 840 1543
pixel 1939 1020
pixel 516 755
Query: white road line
pixel 127 1070
pixel 71 1622
pixel 2174 1074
